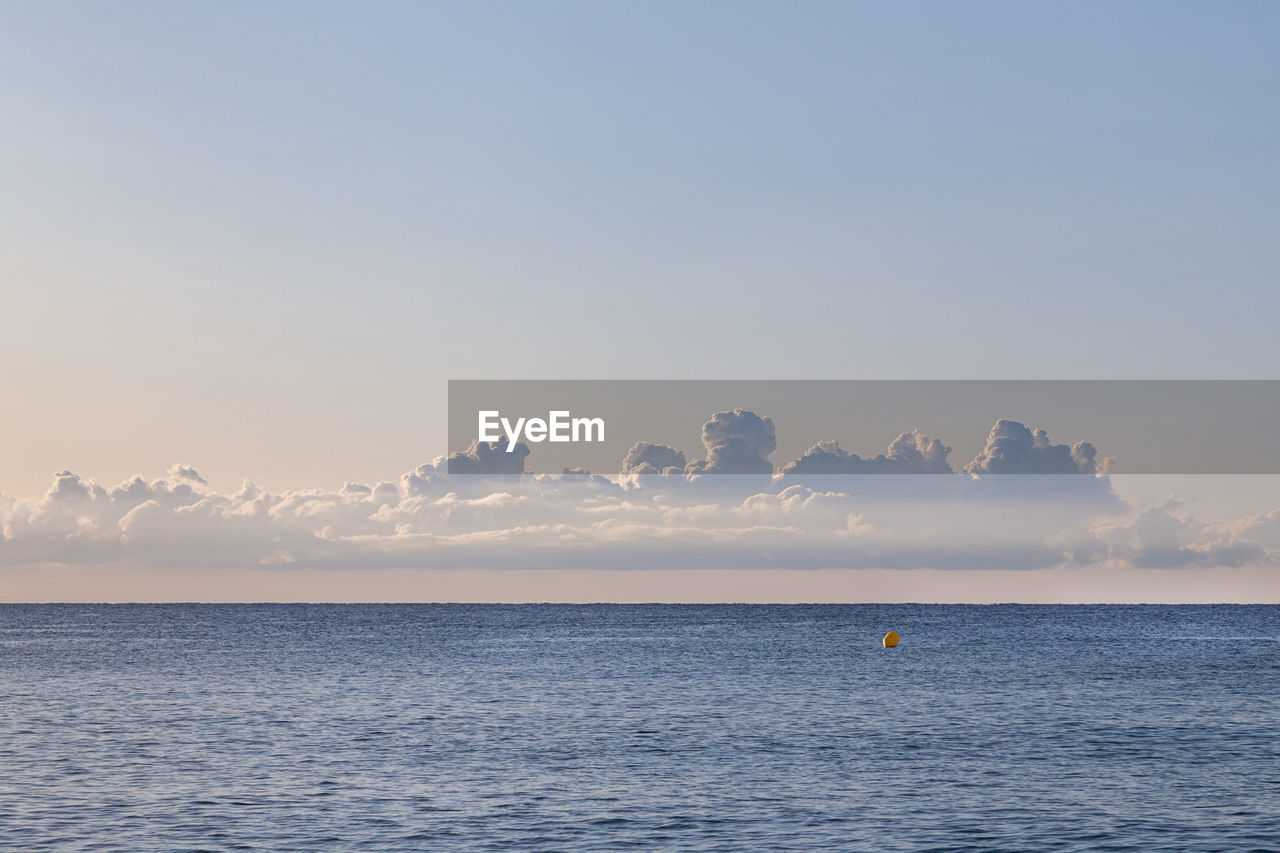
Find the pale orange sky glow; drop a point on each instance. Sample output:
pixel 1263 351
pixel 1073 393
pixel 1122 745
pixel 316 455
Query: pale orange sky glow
pixel 1092 585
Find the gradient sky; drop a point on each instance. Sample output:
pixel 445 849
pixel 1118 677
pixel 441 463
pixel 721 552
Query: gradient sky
pixel 259 237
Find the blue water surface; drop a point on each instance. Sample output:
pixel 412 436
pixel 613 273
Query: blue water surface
pixel 556 728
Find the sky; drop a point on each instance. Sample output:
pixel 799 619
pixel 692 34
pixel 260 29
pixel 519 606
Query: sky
pixel 258 239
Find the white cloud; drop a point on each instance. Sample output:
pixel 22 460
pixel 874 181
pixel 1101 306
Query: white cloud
pixel 1161 537
pixel 430 519
pixel 737 442
pixel 646 458
pixel 1011 448
pixel 830 509
pixel 910 453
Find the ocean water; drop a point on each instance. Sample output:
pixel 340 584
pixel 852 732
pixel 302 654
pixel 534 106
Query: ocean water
pixel 531 728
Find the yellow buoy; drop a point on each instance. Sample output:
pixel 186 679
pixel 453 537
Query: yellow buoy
pixel 891 639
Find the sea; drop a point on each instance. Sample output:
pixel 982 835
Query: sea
pixel 312 728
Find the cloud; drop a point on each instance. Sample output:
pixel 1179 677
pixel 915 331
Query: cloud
pixel 1263 528
pixel 490 458
pixel 1013 449
pixel 433 518
pixel 646 458
pixel 1161 537
pixel 186 472
pixel 737 442
pixel 430 519
pixel 910 453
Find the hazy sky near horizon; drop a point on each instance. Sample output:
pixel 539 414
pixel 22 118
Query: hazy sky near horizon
pixel 259 238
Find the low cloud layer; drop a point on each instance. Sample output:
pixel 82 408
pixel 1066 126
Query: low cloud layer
pixel 429 519
pixel 659 512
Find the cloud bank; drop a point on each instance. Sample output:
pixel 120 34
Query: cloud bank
pixel 829 509
pixel 429 519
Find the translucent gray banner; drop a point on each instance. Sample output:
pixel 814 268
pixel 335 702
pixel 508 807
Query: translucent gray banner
pixel 864 426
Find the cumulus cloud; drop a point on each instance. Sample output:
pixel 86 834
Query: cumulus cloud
pixel 186 472
pixel 1162 537
pixel 431 519
pixel 910 453
pixel 1263 529
pixel 1012 448
pixel 646 458
pixel 490 458
pixel 737 442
